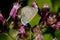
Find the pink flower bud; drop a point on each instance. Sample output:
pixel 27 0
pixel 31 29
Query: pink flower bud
pixel 34 5
pixel 1 17
pixel 57 25
pixel 46 8
pixel 39 37
pixel 22 29
pixel 14 9
pixel 51 18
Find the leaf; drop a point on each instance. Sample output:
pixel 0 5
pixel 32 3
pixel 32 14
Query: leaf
pixel 5 36
pixel 57 34
pixel 35 20
pixel 30 2
pixel 47 37
pixel 13 33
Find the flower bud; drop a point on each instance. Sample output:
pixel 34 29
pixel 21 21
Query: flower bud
pixel 1 17
pixel 57 25
pixel 35 5
pixel 14 9
pixel 46 8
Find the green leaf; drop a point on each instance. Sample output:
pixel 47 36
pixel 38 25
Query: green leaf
pixel 13 33
pixel 47 37
pixel 57 34
pixel 30 2
pixel 35 20
pixel 5 36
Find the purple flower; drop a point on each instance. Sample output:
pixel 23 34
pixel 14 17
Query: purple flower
pixel 36 30
pixel 39 37
pixel 25 35
pixel 45 12
pixel 51 18
pixel 35 5
pixel 22 29
pixel 57 25
pixel 46 8
pixel 14 9
pixel 1 17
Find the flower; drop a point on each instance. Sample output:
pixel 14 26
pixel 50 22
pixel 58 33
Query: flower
pixel 34 5
pixel 36 30
pixel 58 16
pixel 25 35
pixel 3 24
pixel 55 38
pixel 57 25
pixel 1 17
pixel 50 20
pixel 46 8
pixel 39 37
pixel 14 9
pixel 23 32
pixel 22 29
pixel 45 12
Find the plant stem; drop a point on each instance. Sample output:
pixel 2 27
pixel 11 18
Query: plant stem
pixel 8 18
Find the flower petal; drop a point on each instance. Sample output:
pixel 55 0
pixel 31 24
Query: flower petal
pixel 22 30
pixel 14 10
pixel 1 17
pixel 34 5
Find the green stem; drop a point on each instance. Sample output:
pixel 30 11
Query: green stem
pixel 8 18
